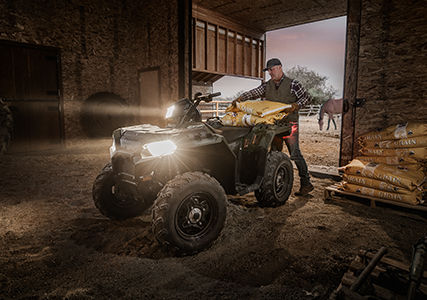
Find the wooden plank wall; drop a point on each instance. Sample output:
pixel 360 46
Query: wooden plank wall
pixel 104 45
pixel 221 47
pixel 390 64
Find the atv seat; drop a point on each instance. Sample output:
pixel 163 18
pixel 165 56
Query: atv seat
pixel 232 133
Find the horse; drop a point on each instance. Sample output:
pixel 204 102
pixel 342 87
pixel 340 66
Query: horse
pixel 331 107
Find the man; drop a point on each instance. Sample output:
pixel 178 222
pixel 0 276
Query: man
pixel 283 89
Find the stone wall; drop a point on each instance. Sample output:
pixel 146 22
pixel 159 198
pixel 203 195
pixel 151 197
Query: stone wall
pixel 392 64
pixel 103 45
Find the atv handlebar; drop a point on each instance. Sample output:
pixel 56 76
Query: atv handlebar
pixel 198 97
pixel 207 97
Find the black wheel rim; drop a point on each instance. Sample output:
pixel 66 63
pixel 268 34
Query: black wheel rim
pixel 196 215
pixel 281 181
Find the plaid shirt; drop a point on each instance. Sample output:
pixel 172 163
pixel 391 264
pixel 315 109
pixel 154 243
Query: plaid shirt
pixel 303 97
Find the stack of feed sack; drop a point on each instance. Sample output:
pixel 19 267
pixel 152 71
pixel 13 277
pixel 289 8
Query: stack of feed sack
pixel 383 181
pixel 251 113
pixel 391 165
pixel 403 144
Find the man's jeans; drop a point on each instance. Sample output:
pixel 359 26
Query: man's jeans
pixel 293 148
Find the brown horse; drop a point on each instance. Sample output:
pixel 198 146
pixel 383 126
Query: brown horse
pixel 331 107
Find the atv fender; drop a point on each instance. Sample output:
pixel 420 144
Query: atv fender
pixel 255 147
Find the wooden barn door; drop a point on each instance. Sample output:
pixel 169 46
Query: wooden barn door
pixel 347 148
pixel 29 81
pixel 149 95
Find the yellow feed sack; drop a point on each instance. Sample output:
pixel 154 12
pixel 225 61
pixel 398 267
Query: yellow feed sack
pixel 260 108
pixel 413 142
pixel 408 179
pixel 243 119
pixel 400 162
pixel 378 184
pixel 400 131
pixel 388 160
pixel 419 154
pixel 233 119
pixel 412 198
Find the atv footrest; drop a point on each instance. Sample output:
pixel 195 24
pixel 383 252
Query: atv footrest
pixel 244 189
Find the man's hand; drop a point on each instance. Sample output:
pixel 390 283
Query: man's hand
pixel 235 101
pixel 295 107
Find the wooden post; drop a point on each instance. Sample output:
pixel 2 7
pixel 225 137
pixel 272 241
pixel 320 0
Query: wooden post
pixel 243 54
pixel 184 47
pixel 350 80
pixel 251 56
pixel 264 46
pixel 206 46
pixel 193 29
pixel 257 64
pixel 235 53
pixel 226 50
pixel 216 47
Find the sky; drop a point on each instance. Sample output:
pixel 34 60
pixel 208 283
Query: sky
pixel 319 46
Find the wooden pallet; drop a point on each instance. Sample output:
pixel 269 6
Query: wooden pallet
pixel 334 193
pixel 379 287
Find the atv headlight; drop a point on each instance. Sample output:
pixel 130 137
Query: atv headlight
pixel 113 148
pixel 159 148
pixel 169 112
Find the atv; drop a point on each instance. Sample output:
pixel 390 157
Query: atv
pixel 184 172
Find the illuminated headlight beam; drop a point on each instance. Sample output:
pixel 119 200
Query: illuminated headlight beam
pixel 112 148
pixel 169 112
pixel 160 148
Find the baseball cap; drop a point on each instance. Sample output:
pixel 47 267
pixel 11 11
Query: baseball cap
pixel 271 63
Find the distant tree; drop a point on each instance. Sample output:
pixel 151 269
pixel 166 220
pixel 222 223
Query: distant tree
pixel 313 82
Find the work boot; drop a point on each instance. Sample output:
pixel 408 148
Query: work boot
pixel 305 190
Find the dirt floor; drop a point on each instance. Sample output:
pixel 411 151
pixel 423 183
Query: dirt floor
pixel 54 244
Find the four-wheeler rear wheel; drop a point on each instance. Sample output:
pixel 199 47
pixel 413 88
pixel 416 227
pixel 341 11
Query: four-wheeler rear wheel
pixel 116 204
pixel 189 212
pixel 278 180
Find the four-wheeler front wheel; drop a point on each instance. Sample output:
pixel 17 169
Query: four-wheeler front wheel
pixel 278 180
pixel 189 212
pixel 114 203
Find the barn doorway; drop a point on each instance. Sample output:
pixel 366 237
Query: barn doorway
pixel 30 84
pixel 316 48
pixel 231 86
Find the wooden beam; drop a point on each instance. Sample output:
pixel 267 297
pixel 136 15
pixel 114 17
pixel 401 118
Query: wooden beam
pixel 264 46
pixel 201 77
pixel 206 45
pixel 350 80
pixel 216 47
pixel 243 53
pixel 221 73
pixel 217 18
pixel 258 69
pixel 184 10
pixel 193 29
pixel 226 50
pixel 250 55
pixel 235 53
